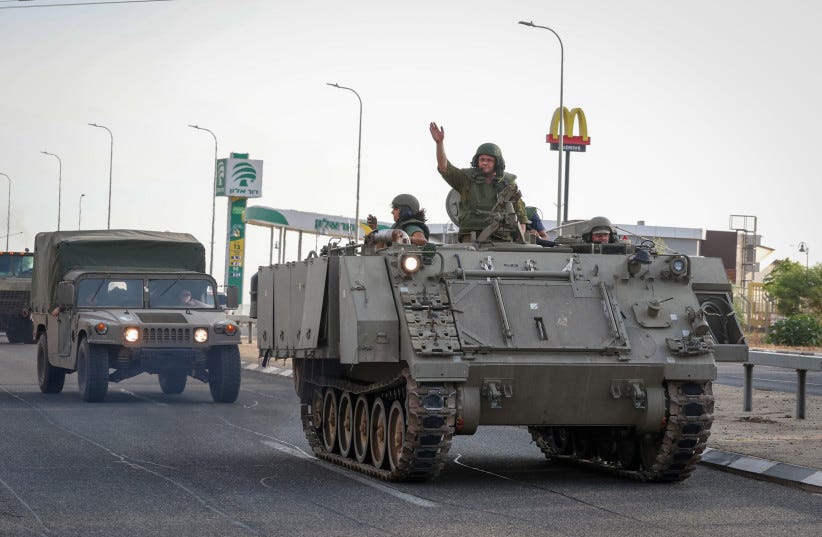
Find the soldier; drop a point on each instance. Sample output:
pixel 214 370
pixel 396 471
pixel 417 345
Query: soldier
pixel 599 231
pixel 408 217
pixel 537 228
pixel 478 185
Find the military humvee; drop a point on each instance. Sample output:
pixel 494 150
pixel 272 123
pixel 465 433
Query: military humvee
pixel 109 305
pixel 605 352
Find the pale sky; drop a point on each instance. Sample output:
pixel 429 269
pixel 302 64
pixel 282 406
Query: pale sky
pixel 696 110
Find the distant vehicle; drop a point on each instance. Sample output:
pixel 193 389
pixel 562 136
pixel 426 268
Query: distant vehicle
pixel 15 296
pixel 112 304
pixel 605 352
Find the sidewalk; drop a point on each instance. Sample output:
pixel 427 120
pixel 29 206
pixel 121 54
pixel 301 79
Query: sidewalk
pixel 748 434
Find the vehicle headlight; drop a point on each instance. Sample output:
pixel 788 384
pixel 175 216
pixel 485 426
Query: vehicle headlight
pixel 131 334
pixel 679 266
pixel 101 328
pixel 225 327
pixel 410 263
pixel 200 335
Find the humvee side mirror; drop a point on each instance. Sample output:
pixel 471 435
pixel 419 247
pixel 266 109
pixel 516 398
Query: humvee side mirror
pixel 65 295
pixel 232 297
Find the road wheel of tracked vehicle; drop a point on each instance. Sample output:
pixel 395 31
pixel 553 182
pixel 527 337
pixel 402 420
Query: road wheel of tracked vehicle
pixel 345 429
pixel 330 420
pixel 628 453
pixel 50 378
pixel 583 442
pixel 378 432
pixel 224 373
pixel 173 381
pixel 361 426
pixel 92 371
pixel 560 441
pixel 396 434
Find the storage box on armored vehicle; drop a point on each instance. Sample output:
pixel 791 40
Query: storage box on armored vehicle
pixel 605 352
pixel 111 304
pixel 15 296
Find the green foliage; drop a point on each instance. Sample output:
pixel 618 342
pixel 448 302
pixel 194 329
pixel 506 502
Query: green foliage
pixel 794 288
pixel 799 330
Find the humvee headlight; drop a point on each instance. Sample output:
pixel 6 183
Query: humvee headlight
pixel 201 335
pixel 679 266
pixel 101 328
pixel 410 264
pixel 131 334
pixel 226 328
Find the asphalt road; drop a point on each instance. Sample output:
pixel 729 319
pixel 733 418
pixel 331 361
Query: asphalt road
pixel 147 464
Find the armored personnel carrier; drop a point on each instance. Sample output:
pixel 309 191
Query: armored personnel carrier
pixel 606 352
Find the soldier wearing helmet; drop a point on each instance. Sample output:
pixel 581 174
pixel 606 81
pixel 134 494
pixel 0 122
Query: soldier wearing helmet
pixel 408 217
pixel 599 231
pixel 478 185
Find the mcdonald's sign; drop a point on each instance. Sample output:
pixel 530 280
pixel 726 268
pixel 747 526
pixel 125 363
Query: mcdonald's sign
pixel 569 141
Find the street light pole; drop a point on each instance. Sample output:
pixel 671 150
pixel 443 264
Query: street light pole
pixel 110 164
pixel 561 116
pixel 8 211
pixel 213 196
pixel 803 248
pixel 80 214
pixel 359 145
pixel 59 185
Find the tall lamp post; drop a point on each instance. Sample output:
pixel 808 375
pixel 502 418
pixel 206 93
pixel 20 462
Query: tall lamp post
pixel 110 163
pixel 213 196
pixel 59 185
pixel 803 248
pixel 561 116
pixel 8 211
pixel 80 213
pixel 359 145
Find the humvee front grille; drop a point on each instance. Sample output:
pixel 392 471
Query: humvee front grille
pixel 167 335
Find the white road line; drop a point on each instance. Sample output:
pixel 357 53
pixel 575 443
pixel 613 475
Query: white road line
pixel 457 460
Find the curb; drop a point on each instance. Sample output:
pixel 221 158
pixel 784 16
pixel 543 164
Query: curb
pixel 805 478
pixel 802 477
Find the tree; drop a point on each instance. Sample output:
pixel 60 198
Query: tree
pixel 794 288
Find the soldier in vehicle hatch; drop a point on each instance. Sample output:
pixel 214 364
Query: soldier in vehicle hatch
pixel 478 185
pixel 408 217
pixel 599 231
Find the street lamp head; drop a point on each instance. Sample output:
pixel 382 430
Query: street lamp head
pixel 803 247
pixel 526 23
pixel 335 84
pixel 93 125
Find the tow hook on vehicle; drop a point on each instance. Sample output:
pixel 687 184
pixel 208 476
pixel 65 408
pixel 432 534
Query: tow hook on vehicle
pixel 634 389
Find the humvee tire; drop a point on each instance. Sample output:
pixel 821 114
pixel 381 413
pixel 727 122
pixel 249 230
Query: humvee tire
pixel 173 381
pixel 224 373
pixel 50 378
pixel 92 371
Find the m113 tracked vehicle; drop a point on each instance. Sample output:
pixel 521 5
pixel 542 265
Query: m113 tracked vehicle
pixel 606 352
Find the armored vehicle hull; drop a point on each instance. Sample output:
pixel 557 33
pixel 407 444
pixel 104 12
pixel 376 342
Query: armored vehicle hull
pixel 15 296
pixel 607 358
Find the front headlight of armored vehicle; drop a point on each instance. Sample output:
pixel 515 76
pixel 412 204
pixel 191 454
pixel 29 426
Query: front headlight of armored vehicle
pixel 131 334
pixel 201 335
pixel 679 265
pixel 410 263
pixel 225 327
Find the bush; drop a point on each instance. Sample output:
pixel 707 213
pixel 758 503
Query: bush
pixel 801 330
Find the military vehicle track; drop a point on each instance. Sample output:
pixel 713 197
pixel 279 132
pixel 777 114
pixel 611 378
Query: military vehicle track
pixel 670 456
pixel 408 442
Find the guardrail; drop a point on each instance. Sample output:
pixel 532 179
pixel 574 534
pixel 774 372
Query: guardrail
pixel 802 363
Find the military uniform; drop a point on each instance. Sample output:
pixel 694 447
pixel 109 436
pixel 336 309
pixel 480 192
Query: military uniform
pixel 411 225
pixel 478 195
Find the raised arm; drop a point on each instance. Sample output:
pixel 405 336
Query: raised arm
pixel 438 134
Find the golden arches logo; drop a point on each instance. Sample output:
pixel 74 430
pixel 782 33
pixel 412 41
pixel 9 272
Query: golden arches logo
pixel 569 118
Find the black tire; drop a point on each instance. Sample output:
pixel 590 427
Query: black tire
pixel 92 371
pixel 50 378
pixel 27 335
pixel 224 373
pixel 11 332
pixel 173 381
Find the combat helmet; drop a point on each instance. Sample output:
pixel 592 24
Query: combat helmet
pixel 598 223
pixel 492 150
pixel 407 204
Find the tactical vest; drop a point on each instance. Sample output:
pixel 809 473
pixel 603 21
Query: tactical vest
pixel 478 198
pixel 402 224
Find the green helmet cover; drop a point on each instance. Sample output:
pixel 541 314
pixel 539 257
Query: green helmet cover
pixel 406 201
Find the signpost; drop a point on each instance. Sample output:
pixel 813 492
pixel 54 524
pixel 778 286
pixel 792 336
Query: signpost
pixel 570 143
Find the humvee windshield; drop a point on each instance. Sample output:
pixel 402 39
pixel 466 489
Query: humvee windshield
pixel 120 292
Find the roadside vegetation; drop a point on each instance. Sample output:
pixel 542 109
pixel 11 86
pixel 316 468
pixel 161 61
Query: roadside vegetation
pixel 797 294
